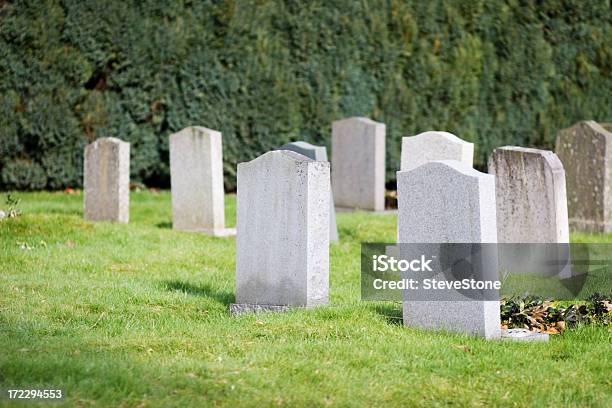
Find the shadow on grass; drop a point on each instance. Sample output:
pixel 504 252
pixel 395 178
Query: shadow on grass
pixel 391 311
pixel 222 297
pixel 165 224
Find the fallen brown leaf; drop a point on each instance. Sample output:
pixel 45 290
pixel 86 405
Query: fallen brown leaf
pixel 552 330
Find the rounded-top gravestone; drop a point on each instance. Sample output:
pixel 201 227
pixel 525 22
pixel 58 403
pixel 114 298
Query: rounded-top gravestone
pixel 448 202
pixel 434 146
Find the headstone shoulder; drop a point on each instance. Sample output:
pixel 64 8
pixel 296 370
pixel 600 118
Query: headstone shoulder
pixel 591 125
pixel 287 155
pixel 456 166
pixel 189 131
pixel 551 159
pixel 357 119
pixel 441 135
pixel 108 140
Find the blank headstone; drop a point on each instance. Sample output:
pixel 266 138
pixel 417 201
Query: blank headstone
pixel 434 146
pixel 196 173
pixel 585 150
pixel 448 202
pixel 358 164
pixel 318 153
pixel 106 180
pixel 282 246
pixel 530 195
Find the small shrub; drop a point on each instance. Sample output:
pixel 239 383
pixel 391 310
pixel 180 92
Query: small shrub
pixel 13 209
pixel 549 316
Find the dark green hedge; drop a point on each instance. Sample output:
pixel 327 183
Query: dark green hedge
pixel 267 72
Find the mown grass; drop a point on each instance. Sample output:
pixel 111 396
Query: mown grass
pixel 137 315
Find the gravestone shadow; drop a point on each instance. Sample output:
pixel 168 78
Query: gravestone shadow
pixel 204 290
pixel 165 224
pixel 391 311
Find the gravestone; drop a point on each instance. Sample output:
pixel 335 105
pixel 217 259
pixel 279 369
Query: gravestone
pixel 318 153
pixel 585 150
pixel 448 202
pixel 358 164
pixel 530 195
pixel 282 246
pixel 434 146
pixel 196 177
pixel 106 180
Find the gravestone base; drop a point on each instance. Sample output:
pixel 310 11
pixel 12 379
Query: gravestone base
pixel 476 318
pixel 241 308
pixel 523 335
pixel 221 232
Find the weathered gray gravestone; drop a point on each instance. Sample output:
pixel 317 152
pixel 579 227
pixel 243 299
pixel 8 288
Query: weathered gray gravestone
pixel 585 150
pixel 434 146
pixel 358 163
pixel 106 180
pixel 318 153
pixel 448 202
pixel 282 246
pixel 530 195
pixel 196 176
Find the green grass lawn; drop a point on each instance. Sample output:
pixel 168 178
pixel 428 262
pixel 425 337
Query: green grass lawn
pixel 137 315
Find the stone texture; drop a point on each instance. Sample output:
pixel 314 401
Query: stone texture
pixel 318 153
pixel 585 150
pixel 282 247
pixel 523 335
pixel 358 164
pixel 434 146
pixel 106 180
pixel 530 195
pixel 240 308
pixel 448 202
pixel 196 174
